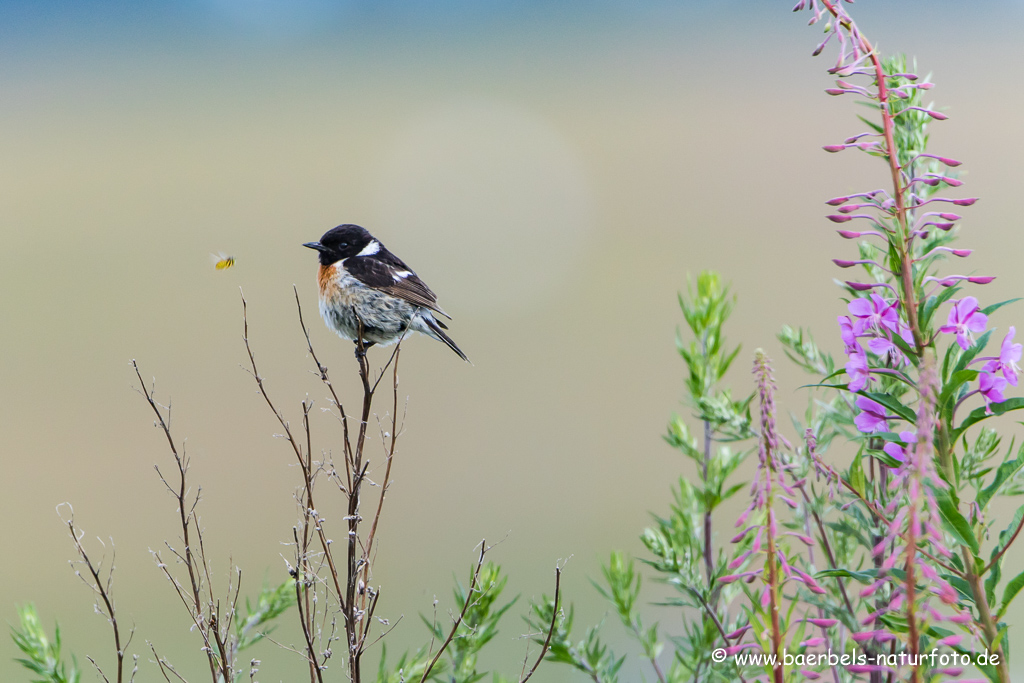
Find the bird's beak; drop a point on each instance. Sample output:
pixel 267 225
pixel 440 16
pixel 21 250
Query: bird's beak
pixel 315 245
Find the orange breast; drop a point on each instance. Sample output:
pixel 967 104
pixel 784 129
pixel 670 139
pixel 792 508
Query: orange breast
pixel 332 281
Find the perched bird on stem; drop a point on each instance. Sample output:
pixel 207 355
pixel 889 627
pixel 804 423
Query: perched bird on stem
pixel 366 291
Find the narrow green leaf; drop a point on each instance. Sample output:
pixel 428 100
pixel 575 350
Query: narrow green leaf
pixel 972 352
pixel 863 576
pixel 1007 470
pixel 893 404
pixel 1013 587
pixel 978 414
pixel 955 523
pixel 989 310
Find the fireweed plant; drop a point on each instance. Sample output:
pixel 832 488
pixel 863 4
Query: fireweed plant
pixel 887 566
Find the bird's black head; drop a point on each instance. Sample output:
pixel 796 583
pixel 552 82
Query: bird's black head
pixel 340 243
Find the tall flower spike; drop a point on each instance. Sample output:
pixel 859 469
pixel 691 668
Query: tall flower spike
pixel 769 469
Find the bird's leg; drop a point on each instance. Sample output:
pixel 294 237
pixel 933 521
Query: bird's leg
pixel 361 344
pixel 362 347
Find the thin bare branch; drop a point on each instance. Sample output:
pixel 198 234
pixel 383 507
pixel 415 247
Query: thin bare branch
pixel 551 629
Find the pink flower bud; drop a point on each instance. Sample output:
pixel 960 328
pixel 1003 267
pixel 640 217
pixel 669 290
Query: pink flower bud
pixel 824 623
pixel 952 182
pixel 948 594
pixel 962 252
pixel 849 234
pixel 965 202
pixel 952 163
pixel 837 201
pixel 814 642
pixel 739 560
pixel 863 668
pixel 949 216
pixel 981 280
pixel 834 148
pixel 938 116
pixel 858 286
pixel 737 633
pixel 836 91
pixel 839 219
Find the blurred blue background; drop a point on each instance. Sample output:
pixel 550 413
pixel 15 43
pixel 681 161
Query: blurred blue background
pixel 553 170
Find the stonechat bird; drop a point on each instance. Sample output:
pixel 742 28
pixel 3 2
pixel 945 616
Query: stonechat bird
pixel 365 289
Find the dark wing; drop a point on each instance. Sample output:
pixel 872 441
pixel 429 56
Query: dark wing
pixel 387 273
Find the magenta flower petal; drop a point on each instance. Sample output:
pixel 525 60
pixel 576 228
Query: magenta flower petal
pixel 872 417
pixel 991 388
pixel 857 370
pixel 1009 355
pixel 964 320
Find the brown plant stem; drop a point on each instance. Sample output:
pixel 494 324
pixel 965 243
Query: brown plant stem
pixel 219 665
pixel 103 591
pixel 462 615
pixel 551 629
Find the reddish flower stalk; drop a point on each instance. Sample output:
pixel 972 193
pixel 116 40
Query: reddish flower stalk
pixel 767 455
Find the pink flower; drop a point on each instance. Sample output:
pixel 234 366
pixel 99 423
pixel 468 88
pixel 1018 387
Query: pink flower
pixel 991 388
pixel 846 332
pixel 874 313
pixel 857 370
pixel 884 348
pixel 897 451
pixel 965 318
pixel 1009 354
pixel 872 417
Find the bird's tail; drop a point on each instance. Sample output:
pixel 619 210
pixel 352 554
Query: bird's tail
pixel 437 333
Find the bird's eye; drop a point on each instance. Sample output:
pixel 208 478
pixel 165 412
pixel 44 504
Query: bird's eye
pixel 343 245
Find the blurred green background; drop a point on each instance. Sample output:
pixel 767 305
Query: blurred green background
pixel 554 171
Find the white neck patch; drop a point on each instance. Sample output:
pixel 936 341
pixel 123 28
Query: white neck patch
pixel 370 249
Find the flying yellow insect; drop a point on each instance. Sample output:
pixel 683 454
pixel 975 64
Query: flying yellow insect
pixel 222 261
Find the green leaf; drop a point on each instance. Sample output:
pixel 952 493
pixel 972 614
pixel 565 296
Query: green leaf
pixel 1013 587
pixel 958 379
pixel 857 479
pixel 928 306
pixel 955 523
pixel 972 352
pixel 893 404
pixel 978 414
pixel 989 310
pixel 863 576
pixel 1007 470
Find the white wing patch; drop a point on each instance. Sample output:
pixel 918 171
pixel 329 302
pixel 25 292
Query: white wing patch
pixel 400 275
pixel 370 249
